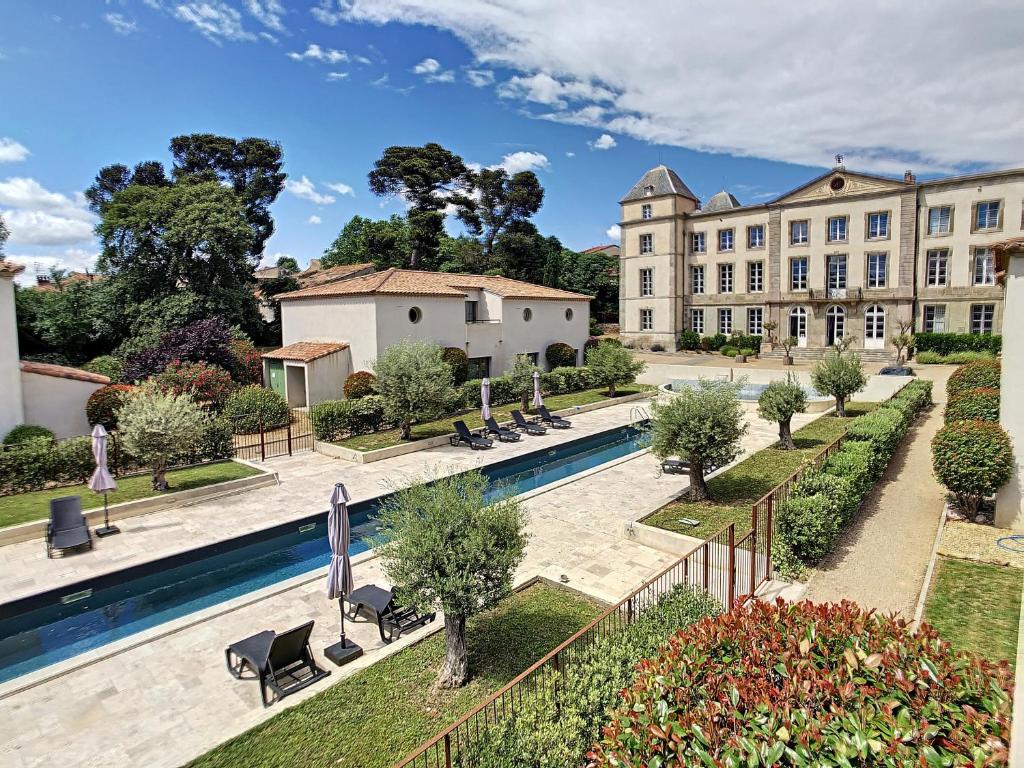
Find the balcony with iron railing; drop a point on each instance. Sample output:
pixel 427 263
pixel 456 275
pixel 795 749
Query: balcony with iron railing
pixel 835 294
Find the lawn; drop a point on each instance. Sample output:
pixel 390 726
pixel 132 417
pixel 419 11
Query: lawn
pixel 443 426
pixel 976 607
pixel 737 489
pixel 24 507
pixel 375 717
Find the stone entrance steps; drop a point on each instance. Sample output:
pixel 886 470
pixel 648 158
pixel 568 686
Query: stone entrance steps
pixel 816 353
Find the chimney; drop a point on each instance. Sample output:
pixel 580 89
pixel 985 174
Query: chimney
pixel 908 177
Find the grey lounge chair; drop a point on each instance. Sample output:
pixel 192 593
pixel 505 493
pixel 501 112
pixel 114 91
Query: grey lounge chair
pixel 530 427
pixel 284 663
pixel 67 528
pixel 555 421
pixel 392 619
pixel 463 435
pixel 507 435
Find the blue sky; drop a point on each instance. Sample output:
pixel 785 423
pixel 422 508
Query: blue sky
pixel 588 95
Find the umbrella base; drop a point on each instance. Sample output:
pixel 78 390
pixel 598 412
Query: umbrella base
pixel 107 530
pixel 343 654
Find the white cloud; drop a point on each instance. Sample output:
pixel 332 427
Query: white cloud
pixel 604 141
pixel 880 93
pixel 614 232
pixel 432 71
pixel 570 154
pixel 267 12
pixel 340 187
pixel 314 220
pixel 38 216
pixel 325 14
pixel 120 24
pixel 333 77
pixel 71 259
pixel 479 78
pixel 524 161
pixel 306 190
pixel 270 259
pixel 314 52
pixel 12 151
pixel 214 19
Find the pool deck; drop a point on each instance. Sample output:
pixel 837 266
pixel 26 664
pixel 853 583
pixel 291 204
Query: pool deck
pixel 163 697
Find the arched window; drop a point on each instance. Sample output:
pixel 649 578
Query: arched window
pixel 835 324
pixel 874 327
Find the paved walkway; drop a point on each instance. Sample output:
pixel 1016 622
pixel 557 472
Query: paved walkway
pixel 881 559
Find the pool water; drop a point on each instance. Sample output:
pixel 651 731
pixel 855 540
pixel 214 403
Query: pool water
pixel 58 625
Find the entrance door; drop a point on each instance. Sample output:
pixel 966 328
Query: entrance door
pixel 798 325
pixel 874 327
pixel 277 376
pixel 835 325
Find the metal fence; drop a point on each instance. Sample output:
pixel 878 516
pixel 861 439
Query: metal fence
pixel 764 508
pixel 266 443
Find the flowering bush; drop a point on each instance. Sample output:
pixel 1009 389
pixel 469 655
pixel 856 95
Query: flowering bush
pixel 247 365
pixel 360 384
pixel 805 684
pixel 981 373
pixel 249 407
pixel 981 403
pixel 560 355
pixel 103 404
pixel 973 459
pixel 208 385
pixel 206 341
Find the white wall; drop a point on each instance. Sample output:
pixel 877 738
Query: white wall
pixel 546 326
pixel 1010 501
pixel 57 404
pixel 325 377
pixel 11 409
pixel 348 319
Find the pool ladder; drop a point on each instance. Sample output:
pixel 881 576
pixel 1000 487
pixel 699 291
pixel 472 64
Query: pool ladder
pixel 638 415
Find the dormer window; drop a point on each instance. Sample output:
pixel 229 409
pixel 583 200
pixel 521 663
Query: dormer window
pixel 649 190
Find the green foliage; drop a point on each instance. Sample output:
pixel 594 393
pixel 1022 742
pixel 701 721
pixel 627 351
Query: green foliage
pixel 415 382
pixel 980 373
pixel 560 355
pixel 747 351
pixel 713 343
pixel 728 351
pixel 744 341
pixel 689 340
pixel 802 684
pixel 38 462
pixel 883 428
pixel 103 404
pixel 973 459
pixel 951 343
pixel 105 365
pixel 840 375
pixel 25 432
pixel 207 385
pixel 612 364
pixel 595 274
pixel 247 365
pixel 384 243
pixel 779 401
pixel 956 358
pixel 337 419
pixel 360 384
pixel 809 525
pixel 519 377
pixel 249 407
pixel 502 200
pixel 981 403
pixel 458 361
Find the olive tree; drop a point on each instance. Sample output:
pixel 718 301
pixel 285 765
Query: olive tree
pixel 520 375
pixel 415 382
pixel 611 364
pixel 703 426
pixel 840 375
pixel 779 401
pixel 445 545
pixel 156 426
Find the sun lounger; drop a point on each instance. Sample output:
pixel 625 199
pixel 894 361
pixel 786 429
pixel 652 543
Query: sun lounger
pixel 67 528
pixel 506 435
pixel 555 421
pixel 284 663
pixel 530 427
pixel 392 619
pixel 463 435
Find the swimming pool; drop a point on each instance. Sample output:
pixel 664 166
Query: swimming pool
pixel 57 625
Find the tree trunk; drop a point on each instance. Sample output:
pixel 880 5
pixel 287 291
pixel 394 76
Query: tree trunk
pixel 611 389
pixel 160 479
pixel 840 406
pixel 698 487
pixel 786 436
pixel 406 429
pixel 455 669
pixel 524 402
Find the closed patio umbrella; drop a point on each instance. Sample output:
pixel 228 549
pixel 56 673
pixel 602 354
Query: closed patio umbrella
pixel 339 575
pixel 485 399
pixel 537 400
pixel 102 481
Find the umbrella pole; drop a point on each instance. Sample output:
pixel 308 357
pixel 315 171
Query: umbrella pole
pixel 107 529
pixel 342 651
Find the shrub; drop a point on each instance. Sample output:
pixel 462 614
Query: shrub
pixel 840 491
pixel 746 352
pixel 810 684
pixel 743 341
pixel 207 385
pixel 779 402
pixel 336 419
pixel 689 340
pixel 657 347
pixel 36 463
pixel 25 432
pixel 360 384
pixel 610 364
pixel 957 358
pixel 981 404
pixel 458 361
pixel 206 341
pixel 854 463
pixel 839 375
pixel 247 363
pixel 980 373
pixel 414 381
pixel 809 525
pixel 952 343
pixel 715 342
pixel 728 351
pixel 103 404
pixel 214 441
pixel 248 407
pixel 973 459
pixel 520 377
pixel 105 365
pixel 882 428
pixel 560 355
pixel 705 344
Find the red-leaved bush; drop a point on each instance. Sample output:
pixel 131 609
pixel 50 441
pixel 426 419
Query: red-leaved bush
pixel 102 405
pixel 360 384
pixel 810 684
pixel 248 363
pixel 208 385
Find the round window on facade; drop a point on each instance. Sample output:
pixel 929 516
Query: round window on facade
pixel 527 315
pixel 837 183
pixel 415 314
pixel 568 313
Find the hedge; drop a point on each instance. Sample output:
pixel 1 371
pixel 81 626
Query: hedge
pixel 981 404
pixel 25 432
pixel 557 381
pixel 957 358
pixel 973 459
pixel 250 407
pixel 950 343
pixel 981 373
pixel 336 419
pixel 728 351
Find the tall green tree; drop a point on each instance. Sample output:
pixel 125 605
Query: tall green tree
pixel 415 382
pixel 430 178
pixel 596 274
pixel 502 200
pixel 4 234
pixel 462 254
pixel 384 243
pixel 523 253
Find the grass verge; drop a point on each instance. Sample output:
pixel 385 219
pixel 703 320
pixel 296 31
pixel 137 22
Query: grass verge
pixel 976 607
pixel 443 426
pixel 376 716
pixel 34 505
pixel 735 490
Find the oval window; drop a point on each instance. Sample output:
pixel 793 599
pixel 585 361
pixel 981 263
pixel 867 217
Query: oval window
pixel 527 314
pixel 568 313
pixel 837 183
pixel 415 315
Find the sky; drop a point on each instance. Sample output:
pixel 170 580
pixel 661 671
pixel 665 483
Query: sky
pixel 752 97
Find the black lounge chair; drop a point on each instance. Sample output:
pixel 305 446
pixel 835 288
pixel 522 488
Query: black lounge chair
pixel 284 663
pixel 530 427
pixel 392 619
pixel 67 528
pixel 463 435
pixel 555 421
pixel 682 467
pixel 507 435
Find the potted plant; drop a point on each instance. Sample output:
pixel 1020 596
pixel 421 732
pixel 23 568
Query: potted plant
pixel 787 345
pixel 743 354
pixel 769 329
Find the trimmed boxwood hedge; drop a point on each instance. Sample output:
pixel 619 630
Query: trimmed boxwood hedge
pixel 981 373
pixel 25 432
pixel 951 343
pixel 981 403
pixel 336 419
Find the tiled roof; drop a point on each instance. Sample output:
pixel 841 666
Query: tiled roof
pixel 599 248
pixel 333 274
pixel 72 277
pixel 663 181
pixel 410 282
pixel 306 351
pixel 722 201
pixel 10 269
pixel 62 372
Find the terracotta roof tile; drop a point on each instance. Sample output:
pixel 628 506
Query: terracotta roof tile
pixel 334 274
pixel 306 351
pixel 10 269
pixel 62 372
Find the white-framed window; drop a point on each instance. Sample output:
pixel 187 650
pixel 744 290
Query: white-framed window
pixel 647 282
pixel 935 318
pixel 755 276
pixel 726 239
pixel 755 236
pixel 984 267
pixel 646 319
pixel 725 278
pixel 799 232
pixel 725 321
pixel 836 271
pixel 646 211
pixel 798 323
pixel 647 243
pixel 986 215
pixel 940 220
pixel 697 320
pixel 837 229
pixel 697 278
pixel 878 269
pixel 938 266
pixel 982 317
pixel 698 242
pixel 878 225
pixel 798 274
pixel 874 324
pixel 755 321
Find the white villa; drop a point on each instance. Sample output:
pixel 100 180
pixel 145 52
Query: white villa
pixel 330 331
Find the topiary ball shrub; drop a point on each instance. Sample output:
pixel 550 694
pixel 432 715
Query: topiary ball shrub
pixel 105 365
pixel 251 406
pixel 980 373
pixel 360 384
pixel 973 459
pixel 981 403
pixel 810 684
pixel 25 432
pixel 458 361
pixel 728 351
pixel 103 404
pixel 560 355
